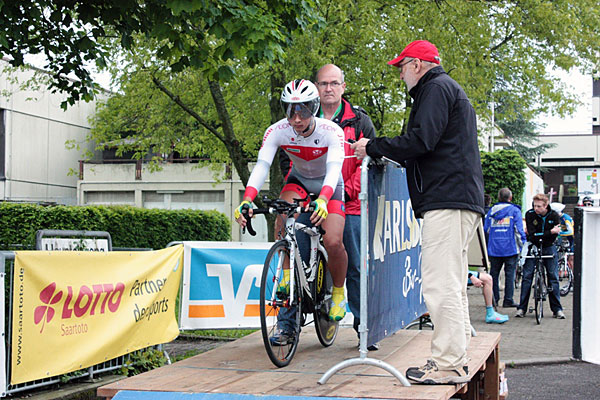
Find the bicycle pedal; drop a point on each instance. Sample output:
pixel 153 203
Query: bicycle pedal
pixel 530 309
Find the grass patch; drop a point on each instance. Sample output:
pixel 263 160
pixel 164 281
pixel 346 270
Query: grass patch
pixel 220 333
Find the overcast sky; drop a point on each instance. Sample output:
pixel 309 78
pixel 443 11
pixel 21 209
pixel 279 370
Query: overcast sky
pixel 581 121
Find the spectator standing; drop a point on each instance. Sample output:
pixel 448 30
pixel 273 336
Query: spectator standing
pixel 504 226
pixel 356 124
pixel 543 225
pixel 445 182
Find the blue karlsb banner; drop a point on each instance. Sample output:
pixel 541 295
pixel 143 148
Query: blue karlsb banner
pixel 395 295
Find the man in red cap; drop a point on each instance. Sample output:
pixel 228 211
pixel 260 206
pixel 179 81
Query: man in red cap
pixel 445 182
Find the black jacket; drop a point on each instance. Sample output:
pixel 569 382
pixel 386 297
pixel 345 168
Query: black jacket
pixel 439 149
pixel 538 228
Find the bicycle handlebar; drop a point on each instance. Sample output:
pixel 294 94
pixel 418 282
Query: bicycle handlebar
pixel 278 206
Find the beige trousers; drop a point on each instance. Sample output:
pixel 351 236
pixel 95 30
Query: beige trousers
pixel 444 269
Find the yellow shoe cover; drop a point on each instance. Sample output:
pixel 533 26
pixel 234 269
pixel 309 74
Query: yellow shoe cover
pixel 338 304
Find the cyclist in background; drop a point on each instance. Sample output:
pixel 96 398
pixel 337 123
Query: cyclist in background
pixel 543 225
pixel 588 202
pixel 566 229
pixel 316 148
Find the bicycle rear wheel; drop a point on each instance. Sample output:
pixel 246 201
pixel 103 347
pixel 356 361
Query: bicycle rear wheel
pixel 322 288
pixel 538 296
pixel 566 288
pixel 280 348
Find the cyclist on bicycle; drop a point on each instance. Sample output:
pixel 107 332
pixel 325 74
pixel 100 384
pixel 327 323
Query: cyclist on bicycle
pixel 316 147
pixel 543 226
pixel 587 201
pixel 566 229
pixel 566 224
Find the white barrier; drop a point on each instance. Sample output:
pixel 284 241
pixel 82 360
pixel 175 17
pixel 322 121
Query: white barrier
pixel 589 297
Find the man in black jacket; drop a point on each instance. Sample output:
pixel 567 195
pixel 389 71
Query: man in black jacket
pixel 445 182
pixel 543 225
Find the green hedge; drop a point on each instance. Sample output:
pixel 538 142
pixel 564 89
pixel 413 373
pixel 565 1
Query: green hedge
pixel 504 168
pixel 128 226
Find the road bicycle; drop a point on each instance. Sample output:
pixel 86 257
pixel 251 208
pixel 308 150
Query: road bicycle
pixel 565 273
pixel 310 283
pixel 540 282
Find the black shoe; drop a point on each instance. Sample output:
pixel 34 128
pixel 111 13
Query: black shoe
pixel 373 347
pixel 509 305
pixel 281 338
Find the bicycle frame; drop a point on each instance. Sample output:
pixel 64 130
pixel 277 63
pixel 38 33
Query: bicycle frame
pixel 291 227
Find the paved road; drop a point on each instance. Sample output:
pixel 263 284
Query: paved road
pixel 538 357
pixel 574 380
pixel 522 339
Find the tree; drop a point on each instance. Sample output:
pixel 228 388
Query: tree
pixel 503 168
pixel 523 136
pixel 202 34
pixel 493 49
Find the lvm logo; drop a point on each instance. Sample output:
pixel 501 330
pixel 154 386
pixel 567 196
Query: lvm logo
pixel 87 300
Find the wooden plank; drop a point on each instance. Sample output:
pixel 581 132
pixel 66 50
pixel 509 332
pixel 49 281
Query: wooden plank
pixel 242 367
pixel 491 378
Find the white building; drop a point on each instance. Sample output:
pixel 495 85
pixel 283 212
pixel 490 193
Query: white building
pixel 34 130
pixel 176 186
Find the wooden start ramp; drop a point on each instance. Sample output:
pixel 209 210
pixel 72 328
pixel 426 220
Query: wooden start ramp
pixel 242 370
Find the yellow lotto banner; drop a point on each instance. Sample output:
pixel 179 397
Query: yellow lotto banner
pixel 73 309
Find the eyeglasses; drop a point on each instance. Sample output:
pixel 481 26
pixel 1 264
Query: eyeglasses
pixel 405 63
pixel 334 84
pixel 298 108
pixel 587 204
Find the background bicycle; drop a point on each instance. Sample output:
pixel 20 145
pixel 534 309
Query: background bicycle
pixel 540 283
pixel 565 272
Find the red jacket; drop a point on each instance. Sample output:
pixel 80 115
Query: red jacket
pixel 356 125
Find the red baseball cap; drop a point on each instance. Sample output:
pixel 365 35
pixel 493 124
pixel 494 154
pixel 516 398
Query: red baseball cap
pixel 421 49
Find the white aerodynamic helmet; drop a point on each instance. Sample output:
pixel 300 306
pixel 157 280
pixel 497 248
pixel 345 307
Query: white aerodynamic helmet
pixel 301 96
pixel 558 207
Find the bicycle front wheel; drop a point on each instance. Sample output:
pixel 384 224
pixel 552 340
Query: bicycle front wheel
pixel 280 315
pixel 538 295
pixel 322 288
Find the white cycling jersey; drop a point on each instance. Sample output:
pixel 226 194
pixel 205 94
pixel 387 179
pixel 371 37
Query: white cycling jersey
pixel 319 155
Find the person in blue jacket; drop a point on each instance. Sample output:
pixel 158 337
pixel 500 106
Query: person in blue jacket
pixel 504 226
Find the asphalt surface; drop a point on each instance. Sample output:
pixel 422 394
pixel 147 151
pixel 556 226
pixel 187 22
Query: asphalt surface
pixel 538 357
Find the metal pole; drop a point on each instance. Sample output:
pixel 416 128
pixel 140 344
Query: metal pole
pixel 362 327
pixel 364 255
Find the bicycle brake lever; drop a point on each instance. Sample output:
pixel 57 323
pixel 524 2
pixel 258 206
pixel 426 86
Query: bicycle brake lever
pixel 248 226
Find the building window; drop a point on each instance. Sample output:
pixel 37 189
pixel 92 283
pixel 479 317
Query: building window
pixel 178 199
pixel 110 198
